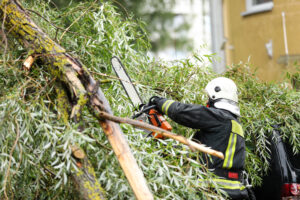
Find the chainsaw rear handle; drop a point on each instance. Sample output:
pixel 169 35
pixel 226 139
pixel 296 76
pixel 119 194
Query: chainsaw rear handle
pixel 155 118
pixel 158 120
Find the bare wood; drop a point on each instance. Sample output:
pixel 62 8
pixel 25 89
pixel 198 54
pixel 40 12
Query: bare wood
pixel 80 82
pixel 193 145
pixel 28 63
pixel 125 157
pixel 77 152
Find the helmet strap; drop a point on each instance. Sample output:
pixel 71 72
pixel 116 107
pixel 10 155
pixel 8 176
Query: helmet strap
pixel 211 103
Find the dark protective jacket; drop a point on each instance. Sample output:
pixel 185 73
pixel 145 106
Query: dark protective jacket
pixel 218 129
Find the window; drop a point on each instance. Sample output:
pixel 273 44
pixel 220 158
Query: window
pixel 257 6
pixel 255 2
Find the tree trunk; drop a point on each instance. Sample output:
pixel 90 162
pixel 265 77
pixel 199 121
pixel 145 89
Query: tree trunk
pixel 85 178
pixel 81 84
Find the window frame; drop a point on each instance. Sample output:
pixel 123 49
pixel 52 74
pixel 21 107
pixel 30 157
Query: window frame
pixel 259 8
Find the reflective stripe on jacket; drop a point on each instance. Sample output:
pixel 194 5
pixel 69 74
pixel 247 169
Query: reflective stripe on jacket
pixel 225 184
pixel 235 189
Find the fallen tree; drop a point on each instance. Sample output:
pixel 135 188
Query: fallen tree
pixel 83 88
pixel 41 152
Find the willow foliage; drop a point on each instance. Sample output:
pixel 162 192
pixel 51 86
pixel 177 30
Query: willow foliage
pixel 35 157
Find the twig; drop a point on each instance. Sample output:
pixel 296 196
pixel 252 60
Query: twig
pixel 43 88
pixel 122 7
pixel 57 27
pixel 67 29
pixel 113 77
pixel 10 157
pixel 97 141
pixel 50 172
pixel 3 33
pixel 190 143
pixel 19 165
pixel 172 93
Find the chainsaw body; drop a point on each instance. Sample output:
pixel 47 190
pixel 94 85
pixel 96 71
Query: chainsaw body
pixel 155 118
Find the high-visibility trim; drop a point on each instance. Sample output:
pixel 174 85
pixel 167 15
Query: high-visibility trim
pixel 229 153
pixel 237 128
pixel 232 151
pixel 228 184
pixel 166 106
pixel 225 184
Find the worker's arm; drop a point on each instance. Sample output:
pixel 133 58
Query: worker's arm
pixel 190 115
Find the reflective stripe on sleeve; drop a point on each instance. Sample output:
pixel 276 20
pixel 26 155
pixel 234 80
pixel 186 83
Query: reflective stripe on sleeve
pixel 166 106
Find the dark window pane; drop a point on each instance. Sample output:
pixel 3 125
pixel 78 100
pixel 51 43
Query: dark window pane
pixel 255 2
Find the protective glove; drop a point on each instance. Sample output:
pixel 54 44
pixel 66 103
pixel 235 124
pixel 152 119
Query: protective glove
pixel 153 100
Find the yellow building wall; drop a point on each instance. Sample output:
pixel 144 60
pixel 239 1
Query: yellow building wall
pixel 247 35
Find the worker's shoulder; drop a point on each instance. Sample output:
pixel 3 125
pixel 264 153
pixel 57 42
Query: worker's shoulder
pixel 221 114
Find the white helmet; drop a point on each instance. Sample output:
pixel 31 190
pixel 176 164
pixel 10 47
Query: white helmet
pixel 223 92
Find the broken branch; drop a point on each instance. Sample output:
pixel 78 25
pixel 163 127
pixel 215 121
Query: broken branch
pixel 193 145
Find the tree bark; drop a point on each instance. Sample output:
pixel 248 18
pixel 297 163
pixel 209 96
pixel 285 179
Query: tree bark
pixel 81 84
pixel 85 178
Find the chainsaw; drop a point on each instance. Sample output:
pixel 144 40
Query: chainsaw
pixel 145 112
pixel 160 128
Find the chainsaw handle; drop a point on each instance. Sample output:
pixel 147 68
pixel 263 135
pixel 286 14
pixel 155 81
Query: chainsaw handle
pixel 156 119
pixel 144 110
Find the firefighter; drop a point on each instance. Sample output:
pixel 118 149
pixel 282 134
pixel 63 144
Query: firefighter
pixel 219 128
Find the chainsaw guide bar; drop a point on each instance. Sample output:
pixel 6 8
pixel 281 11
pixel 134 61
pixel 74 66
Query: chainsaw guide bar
pixel 126 82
